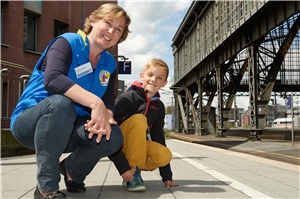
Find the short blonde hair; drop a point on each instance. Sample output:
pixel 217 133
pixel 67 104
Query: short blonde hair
pixel 157 63
pixel 108 11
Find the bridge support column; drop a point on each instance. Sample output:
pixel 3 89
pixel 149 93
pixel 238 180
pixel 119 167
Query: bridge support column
pixel 257 108
pixel 182 113
pixel 194 112
pixel 202 124
pixel 220 81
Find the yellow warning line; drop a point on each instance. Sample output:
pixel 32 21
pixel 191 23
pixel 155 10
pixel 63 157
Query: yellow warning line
pixel 249 149
pixel 260 151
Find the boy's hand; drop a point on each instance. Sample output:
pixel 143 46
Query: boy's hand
pixel 169 184
pixel 128 175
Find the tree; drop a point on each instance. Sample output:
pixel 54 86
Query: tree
pixel 169 109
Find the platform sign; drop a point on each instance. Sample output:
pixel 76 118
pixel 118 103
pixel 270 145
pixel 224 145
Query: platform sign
pixel 289 102
pixel 124 67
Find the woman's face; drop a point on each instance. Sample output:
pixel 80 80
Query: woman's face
pixel 107 32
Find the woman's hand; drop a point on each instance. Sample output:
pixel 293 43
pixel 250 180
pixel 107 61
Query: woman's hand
pixel 100 123
pixel 101 117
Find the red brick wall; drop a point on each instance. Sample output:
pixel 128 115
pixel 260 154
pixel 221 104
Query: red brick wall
pixel 67 12
pixel 245 119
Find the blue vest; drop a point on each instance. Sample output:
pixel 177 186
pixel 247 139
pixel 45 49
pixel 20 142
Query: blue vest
pixel 95 82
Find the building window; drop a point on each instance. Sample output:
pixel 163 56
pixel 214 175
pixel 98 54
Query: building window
pixel 58 30
pixel 3 16
pixel 1 24
pixel 29 32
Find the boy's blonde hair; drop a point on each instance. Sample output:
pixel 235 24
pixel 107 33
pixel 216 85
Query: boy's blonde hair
pixel 108 11
pixel 157 63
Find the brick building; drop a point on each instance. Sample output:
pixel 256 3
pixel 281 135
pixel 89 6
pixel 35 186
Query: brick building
pixel 26 29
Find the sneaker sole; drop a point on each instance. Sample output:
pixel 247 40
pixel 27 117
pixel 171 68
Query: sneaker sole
pixel 135 189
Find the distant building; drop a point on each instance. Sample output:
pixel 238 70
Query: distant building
pixel 237 113
pixel 274 112
pixel 168 122
pixel 27 27
pixel 121 87
pixel 245 119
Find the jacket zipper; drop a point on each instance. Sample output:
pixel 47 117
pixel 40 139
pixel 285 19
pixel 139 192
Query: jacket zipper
pixel 147 105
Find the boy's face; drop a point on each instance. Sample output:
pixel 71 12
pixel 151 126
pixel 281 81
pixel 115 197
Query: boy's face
pixel 153 79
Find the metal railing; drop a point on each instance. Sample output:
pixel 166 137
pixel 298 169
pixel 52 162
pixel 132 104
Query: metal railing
pixel 13 79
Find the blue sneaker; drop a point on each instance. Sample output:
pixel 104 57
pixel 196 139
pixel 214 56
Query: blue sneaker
pixel 137 184
pixel 137 175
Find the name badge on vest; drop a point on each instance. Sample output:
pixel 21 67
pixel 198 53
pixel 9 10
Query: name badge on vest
pixel 83 70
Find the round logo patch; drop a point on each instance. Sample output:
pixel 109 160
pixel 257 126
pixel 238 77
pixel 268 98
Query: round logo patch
pixel 104 77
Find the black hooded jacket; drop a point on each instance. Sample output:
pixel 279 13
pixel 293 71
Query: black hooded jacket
pixel 135 101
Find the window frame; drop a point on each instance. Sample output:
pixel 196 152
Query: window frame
pixel 31 35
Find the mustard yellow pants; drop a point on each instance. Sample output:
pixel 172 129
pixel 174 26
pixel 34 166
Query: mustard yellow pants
pixel 145 154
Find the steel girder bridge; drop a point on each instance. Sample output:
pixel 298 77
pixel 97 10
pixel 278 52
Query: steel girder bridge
pixel 226 49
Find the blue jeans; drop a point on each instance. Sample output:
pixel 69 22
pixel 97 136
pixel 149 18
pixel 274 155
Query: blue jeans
pixel 52 128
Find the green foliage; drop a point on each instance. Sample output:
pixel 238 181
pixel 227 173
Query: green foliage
pixel 169 109
pixel 167 130
pixel 247 126
pixel 231 125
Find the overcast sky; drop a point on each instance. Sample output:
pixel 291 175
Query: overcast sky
pixel 153 25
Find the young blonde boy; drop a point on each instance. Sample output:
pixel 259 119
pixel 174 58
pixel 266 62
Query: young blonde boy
pixel 140 114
